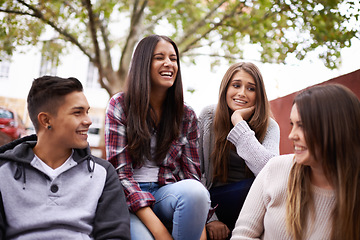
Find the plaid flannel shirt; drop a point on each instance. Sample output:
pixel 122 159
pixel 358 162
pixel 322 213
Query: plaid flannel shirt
pixel 181 161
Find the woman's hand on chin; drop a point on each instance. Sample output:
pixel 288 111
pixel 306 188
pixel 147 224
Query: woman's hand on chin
pixel 242 114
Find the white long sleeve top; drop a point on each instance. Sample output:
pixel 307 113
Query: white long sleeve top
pixel 264 210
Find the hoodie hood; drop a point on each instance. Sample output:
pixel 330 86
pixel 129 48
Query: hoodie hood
pixel 21 152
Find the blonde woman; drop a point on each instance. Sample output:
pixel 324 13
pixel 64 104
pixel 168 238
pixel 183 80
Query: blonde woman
pixel 315 192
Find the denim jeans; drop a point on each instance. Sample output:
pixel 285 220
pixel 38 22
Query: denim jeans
pixel 230 199
pixel 182 207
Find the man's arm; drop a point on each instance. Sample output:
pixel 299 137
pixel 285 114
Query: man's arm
pixel 112 218
pixel 2 219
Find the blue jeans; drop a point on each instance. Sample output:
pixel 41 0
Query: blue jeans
pixel 230 199
pixel 182 207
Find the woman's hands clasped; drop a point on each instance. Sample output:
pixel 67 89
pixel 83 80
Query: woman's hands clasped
pixel 217 230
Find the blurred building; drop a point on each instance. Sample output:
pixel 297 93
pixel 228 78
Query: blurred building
pixel 17 74
pixel 281 107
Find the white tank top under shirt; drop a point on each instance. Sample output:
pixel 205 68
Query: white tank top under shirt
pixel 53 173
pixel 149 171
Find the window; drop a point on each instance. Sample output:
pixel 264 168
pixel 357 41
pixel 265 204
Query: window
pixel 92 80
pixel 4 69
pixel 49 59
pixel 94 131
pixel 6 114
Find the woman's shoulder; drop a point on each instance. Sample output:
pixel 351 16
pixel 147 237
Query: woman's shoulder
pixel 208 112
pixel 116 104
pixel 280 163
pixel 189 112
pixel 275 174
pixel 206 116
pixel 273 124
pixel 117 99
pixel 273 130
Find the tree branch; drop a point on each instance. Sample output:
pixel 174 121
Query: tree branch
pixel 226 56
pixel 201 23
pixel 133 37
pixel 92 27
pixel 216 25
pixel 37 14
pixel 105 37
pixel 16 12
pixel 163 14
pixel 93 20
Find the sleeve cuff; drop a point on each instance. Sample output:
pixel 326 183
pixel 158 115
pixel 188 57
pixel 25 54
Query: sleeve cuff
pixel 239 129
pixel 140 200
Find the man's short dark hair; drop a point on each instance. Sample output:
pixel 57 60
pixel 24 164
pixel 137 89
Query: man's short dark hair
pixel 47 93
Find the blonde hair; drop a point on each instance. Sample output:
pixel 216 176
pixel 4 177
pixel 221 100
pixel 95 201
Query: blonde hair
pixel 299 197
pixel 330 116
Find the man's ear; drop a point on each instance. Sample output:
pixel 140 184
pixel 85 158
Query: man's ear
pixel 44 120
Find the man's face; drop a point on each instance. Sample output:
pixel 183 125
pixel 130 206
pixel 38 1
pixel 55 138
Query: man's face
pixel 70 125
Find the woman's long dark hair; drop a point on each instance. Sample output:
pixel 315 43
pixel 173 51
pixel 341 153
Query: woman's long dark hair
pixel 258 122
pixel 140 124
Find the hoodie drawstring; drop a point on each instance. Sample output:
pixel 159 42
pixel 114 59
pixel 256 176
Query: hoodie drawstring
pixel 90 165
pixel 20 171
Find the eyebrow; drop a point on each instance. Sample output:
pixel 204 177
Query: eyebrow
pixel 173 55
pixel 239 80
pixel 79 108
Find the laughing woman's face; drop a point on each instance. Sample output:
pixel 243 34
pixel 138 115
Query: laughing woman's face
pixel 164 66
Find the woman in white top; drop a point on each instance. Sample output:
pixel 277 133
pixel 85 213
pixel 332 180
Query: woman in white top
pixel 314 193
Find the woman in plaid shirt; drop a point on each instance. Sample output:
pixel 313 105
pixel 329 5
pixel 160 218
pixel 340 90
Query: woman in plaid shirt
pixel 151 139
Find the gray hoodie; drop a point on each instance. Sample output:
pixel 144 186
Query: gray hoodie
pixel 84 202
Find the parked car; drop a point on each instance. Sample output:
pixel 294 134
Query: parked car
pixel 11 124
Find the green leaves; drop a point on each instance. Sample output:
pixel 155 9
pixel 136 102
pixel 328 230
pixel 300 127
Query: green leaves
pixel 219 28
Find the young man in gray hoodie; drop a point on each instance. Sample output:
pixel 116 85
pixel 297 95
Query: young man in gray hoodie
pixel 51 187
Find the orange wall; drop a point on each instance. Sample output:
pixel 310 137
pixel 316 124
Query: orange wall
pixel 281 107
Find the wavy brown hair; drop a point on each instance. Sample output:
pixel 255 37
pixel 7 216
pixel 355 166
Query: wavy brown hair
pixel 222 121
pixel 140 123
pixel 330 117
